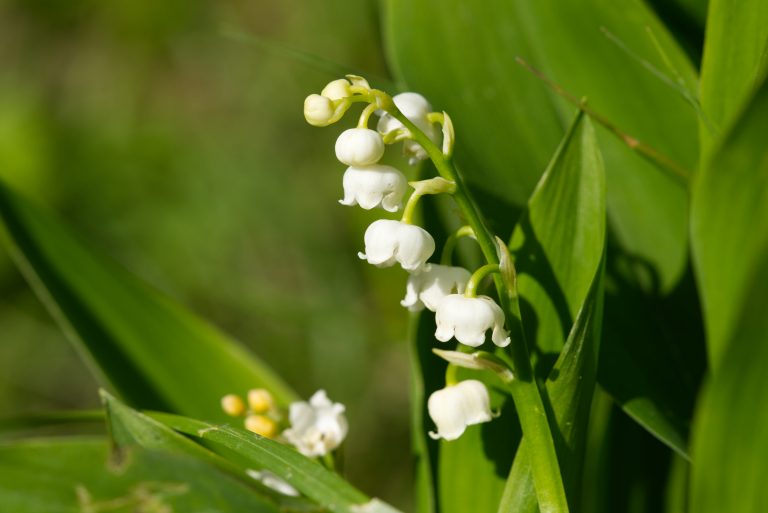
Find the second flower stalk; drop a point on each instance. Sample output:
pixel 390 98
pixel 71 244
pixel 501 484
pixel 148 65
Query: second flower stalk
pixel 447 290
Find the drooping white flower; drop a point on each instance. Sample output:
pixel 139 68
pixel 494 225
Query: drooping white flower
pixel 359 147
pixel 371 186
pixel 318 110
pixel 388 241
pixel 455 407
pixel 317 427
pixel 416 108
pixel 270 480
pixel 337 89
pixel 468 318
pixel 429 287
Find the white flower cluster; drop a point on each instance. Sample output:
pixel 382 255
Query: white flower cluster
pixel 439 288
pixel 317 427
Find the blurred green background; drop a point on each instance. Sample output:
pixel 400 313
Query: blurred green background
pixel 181 151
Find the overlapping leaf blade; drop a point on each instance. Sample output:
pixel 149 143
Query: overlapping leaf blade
pixel 729 215
pixel 498 109
pixel 734 64
pixel 152 351
pixel 730 241
pixel 559 242
pixel 507 125
pixel 73 475
pixel 559 247
pixel 308 476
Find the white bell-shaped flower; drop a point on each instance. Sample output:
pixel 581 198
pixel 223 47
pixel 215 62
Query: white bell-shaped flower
pixel 388 241
pixel 317 427
pixel 416 108
pixel 359 147
pixel 468 318
pixel 373 186
pixel 455 407
pixel 429 287
pixel 318 110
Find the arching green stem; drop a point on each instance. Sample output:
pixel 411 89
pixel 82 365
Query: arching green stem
pixel 366 115
pixel 450 243
pixel 477 277
pixel 410 207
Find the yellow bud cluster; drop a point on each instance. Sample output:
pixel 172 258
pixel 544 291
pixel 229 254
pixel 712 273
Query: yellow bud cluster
pixel 261 425
pixel 260 413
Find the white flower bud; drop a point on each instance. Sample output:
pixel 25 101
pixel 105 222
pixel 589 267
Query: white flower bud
pixel 359 147
pixel 455 407
pixel 388 241
pixel 318 110
pixel 317 427
pixel 416 108
pixel 468 318
pixel 371 186
pixel 429 287
pixel 337 89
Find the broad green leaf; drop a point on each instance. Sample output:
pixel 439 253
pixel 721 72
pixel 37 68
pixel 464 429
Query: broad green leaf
pixel 734 63
pixel 507 123
pixel 730 438
pixel 76 475
pixel 498 109
pixel 506 126
pixel 730 241
pixel 150 350
pixel 559 242
pixel 129 428
pixel 729 223
pixel 559 246
pixel 307 476
pixel 653 353
pixel 627 470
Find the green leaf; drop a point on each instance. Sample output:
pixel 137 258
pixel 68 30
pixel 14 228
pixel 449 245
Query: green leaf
pixel 729 223
pixel 130 428
pixel 730 241
pixel 565 218
pixel 731 430
pixel 507 123
pixel 76 475
pixel 653 354
pixel 307 476
pixel 151 351
pixel 735 61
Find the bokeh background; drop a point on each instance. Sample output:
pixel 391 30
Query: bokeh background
pixel 170 136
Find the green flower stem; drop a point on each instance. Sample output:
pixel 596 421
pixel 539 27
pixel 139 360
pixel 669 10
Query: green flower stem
pixel 450 243
pixel 524 389
pixel 477 277
pixel 366 115
pixel 410 207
